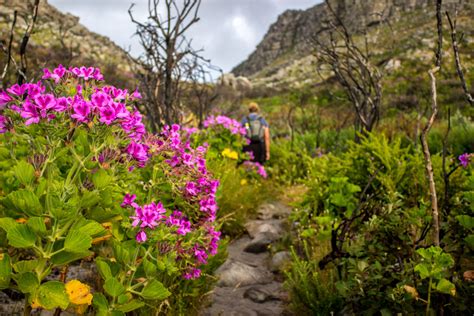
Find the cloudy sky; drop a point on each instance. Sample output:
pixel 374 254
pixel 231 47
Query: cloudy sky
pixel 228 30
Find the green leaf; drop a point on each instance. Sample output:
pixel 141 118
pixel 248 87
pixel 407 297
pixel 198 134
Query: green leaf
pixel 65 257
pixel 90 199
pixel 470 241
pixel 5 271
pixel 26 265
pixel 24 202
pixel 24 172
pixel 113 287
pixel 466 221
pixel 52 294
pixel 149 267
pixel 27 282
pixel 77 242
pixel 92 228
pixel 446 287
pixel 100 303
pixel 6 223
pixel 130 306
pixel 104 269
pixel 155 290
pixel 37 225
pixel 21 236
pixel 101 179
pixel 422 269
pixel 122 299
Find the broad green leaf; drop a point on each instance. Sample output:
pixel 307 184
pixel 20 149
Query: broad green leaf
pixel 422 269
pixel 90 199
pixel 92 228
pixel 65 257
pixel 104 269
pixel 52 294
pixel 155 290
pixel 5 271
pixel 100 303
pixel 130 306
pixel 26 266
pixel 149 267
pixel 101 179
pixel 446 287
pixel 24 172
pixel 466 221
pixel 470 241
pixel 122 299
pixel 6 223
pixel 113 287
pixel 77 242
pixel 27 282
pixel 24 202
pixel 21 236
pixel 37 225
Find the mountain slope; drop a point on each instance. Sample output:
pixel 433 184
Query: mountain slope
pixel 60 38
pixel 284 56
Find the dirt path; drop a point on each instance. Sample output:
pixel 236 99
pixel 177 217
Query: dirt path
pixel 248 281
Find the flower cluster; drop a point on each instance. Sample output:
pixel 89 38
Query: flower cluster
pixel 229 153
pixel 255 166
pixel 186 166
pixel 106 105
pixel 232 125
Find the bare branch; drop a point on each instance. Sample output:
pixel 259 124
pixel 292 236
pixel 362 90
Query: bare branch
pixel 457 58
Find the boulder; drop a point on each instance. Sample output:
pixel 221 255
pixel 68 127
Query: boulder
pixel 234 273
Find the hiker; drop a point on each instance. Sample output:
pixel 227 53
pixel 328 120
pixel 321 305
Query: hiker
pixel 258 133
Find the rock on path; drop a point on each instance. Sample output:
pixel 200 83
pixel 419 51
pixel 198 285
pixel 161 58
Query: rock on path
pixel 247 285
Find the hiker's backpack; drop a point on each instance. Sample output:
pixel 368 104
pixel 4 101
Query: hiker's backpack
pixel 255 129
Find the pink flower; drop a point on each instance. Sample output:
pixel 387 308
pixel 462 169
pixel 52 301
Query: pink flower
pixel 57 74
pixel 17 90
pixel 192 274
pixel 148 215
pixel 4 99
pixel 464 159
pixel 100 99
pixel 81 110
pixel 129 200
pixel 107 114
pixel 45 102
pixel 30 112
pixel 191 188
pixel 139 152
pixel 141 236
pixel 62 104
pixel 136 94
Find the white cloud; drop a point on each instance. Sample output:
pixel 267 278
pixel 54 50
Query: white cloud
pixel 229 30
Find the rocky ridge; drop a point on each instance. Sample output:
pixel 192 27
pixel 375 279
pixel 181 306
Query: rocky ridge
pixel 287 47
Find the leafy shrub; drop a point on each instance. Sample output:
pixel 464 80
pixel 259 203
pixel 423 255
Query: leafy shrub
pixel 80 178
pixel 369 205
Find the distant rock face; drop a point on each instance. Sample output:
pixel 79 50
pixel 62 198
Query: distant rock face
pixel 291 34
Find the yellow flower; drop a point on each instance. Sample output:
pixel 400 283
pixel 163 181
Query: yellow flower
pixel 243 182
pixel 229 153
pixel 79 293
